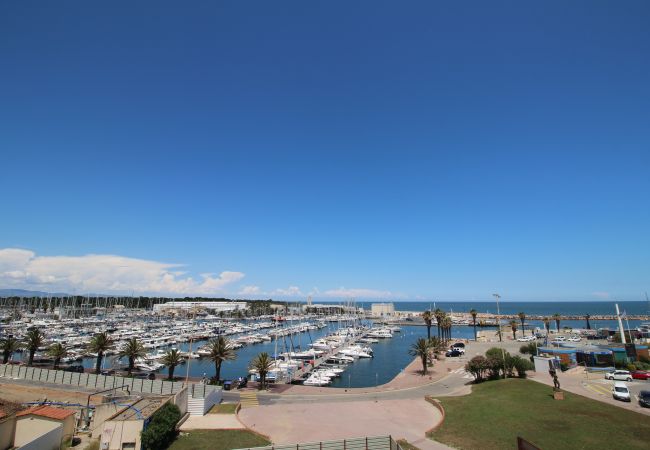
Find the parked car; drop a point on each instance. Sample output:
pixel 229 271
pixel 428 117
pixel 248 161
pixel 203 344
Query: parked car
pixel 145 375
pixel 574 339
pixel 624 375
pixel 644 399
pixel 641 375
pixel 242 382
pixel 621 392
pixel 458 349
pixel 453 353
pixel 459 345
pixel 78 368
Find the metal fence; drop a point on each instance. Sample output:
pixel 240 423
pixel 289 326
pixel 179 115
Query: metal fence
pixel 97 382
pixel 362 443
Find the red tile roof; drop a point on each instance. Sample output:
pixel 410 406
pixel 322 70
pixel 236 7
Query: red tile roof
pixel 47 411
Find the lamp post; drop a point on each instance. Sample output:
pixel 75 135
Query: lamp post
pixel 503 352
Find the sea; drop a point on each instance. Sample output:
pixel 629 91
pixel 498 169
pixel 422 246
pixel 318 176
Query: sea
pixel 391 355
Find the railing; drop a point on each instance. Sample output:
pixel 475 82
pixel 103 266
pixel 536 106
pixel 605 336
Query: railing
pixel 362 443
pixel 97 382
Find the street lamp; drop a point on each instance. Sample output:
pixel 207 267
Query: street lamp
pixel 503 352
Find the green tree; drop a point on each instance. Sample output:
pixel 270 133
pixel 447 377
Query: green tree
pixel 161 430
pixel 57 351
pixel 9 345
pixel 439 314
pixel 132 350
pixel 99 344
pixel 474 313
pixel 478 366
pixel 220 350
pixel 172 359
pixel 33 340
pixel 513 327
pixel 262 364
pixel 521 365
pixel 522 319
pixel 529 349
pixel 420 349
pixel 428 320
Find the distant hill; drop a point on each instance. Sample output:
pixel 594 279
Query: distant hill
pixel 27 293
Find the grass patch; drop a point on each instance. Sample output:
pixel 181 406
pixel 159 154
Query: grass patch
pixel 217 440
pixel 223 408
pixel 405 445
pixel 497 412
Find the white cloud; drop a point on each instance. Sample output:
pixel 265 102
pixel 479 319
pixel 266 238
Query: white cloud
pixel 250 290
pixel 358 293
pixel 291 291
pixel 105 274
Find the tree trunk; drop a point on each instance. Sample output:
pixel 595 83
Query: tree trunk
pixel 98 365
pixel 5 358
pixel 131 364
pixel 217 369
pixel 428 331
pixel 523 330
pixel 56 363
pixel 31 357
pixel 171 372
pixel 424 364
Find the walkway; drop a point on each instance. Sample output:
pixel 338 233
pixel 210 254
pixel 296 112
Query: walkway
pixel 314 422
pixel 212 422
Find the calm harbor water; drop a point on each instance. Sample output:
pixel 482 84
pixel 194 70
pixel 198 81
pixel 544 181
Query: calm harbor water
pixel 391 355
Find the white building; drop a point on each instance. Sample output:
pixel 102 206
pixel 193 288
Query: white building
pixel 382 309
pixel 215 306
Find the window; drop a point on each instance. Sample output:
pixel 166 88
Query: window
pixel 128 445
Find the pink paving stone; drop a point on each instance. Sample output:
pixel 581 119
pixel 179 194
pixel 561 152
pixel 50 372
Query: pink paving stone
pixel 313 422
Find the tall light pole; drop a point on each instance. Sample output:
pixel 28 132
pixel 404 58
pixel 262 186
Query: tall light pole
pixel 503 352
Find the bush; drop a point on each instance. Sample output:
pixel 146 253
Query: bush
pixel 529 349
pixel 564 366
pixel 522 365
pixel 631 367
pixel 161 431
pixel 478 366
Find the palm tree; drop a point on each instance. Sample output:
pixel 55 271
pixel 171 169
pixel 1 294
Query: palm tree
pixel 557 317
pixel 421 349
pixel 99 344
pixel 446 327
pixel 171 359
pixel 522 318
pixel 57 351
pixel 513 326
pixel 438 314
pixel 547 325
pixel 34 339
pixel 9 345
pixel 262 364
pixel 587 317
pixel 428 320
pixel 132 349
pixel 220 350
pixel 474 313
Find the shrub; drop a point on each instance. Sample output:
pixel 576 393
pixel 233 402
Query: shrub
pixel 631 367
pixel 161 431
pixel 478 366
pixel 529 349
pixel 522 365
pixel 564 366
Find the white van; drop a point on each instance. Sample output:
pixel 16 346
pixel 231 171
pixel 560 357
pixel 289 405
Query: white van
pixel 621 392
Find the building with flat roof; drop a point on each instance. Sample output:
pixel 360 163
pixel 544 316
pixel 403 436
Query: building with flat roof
pixel 382 309
pixel 206 305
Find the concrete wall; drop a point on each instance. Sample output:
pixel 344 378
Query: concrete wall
pixel 117 432
pixel 7 430
pixel 199 406
pixel 48 441
pixel 181 400
pixel 102 413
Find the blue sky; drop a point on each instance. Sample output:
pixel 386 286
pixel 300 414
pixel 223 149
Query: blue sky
pixel 362 149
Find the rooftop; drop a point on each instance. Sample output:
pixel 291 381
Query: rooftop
pixel 141 409
pixel 47 411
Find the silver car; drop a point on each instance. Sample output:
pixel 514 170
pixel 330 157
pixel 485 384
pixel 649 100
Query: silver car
pixel 623 375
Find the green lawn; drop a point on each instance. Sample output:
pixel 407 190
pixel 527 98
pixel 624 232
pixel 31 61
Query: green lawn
pixel 217 440
pixel 497 412
pixel 223 408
